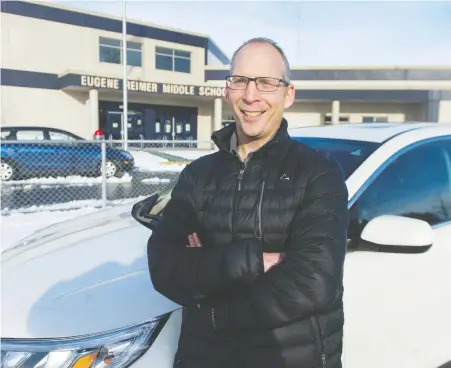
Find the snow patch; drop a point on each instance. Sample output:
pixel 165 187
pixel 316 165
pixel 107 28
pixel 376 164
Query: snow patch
pixel 192 154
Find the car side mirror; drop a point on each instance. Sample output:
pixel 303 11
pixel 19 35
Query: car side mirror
pixel 397 234
pixel 141 212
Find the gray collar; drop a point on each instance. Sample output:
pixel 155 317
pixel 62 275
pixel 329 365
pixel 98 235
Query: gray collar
pixel 234 143
pixel 234 147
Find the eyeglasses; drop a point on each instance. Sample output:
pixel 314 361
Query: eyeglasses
pixel 263 84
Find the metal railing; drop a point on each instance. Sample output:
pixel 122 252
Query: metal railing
pixel 58 175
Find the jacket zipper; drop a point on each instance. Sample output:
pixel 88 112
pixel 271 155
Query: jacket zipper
pixel 259 211
pixel 235 197
pixel 319 341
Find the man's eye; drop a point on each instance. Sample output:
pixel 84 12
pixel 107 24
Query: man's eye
pixel 269 82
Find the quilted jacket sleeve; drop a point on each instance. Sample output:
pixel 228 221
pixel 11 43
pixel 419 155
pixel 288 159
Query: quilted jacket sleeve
pixel 309 279
pixel 188 275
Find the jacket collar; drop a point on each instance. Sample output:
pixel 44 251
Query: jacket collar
pixel 225 136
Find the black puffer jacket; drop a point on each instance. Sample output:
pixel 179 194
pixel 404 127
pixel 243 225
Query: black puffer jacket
pixel 286 198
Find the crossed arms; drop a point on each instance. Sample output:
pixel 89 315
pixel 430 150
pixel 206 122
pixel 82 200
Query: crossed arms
pixel 231 279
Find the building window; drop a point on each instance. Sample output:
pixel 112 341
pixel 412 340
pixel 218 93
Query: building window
pixel 110 51
pixel 374 119
pixel 341 119
pixel 172 60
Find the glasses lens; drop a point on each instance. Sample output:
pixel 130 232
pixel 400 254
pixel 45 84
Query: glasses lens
pixel 237 82
pixel 268 84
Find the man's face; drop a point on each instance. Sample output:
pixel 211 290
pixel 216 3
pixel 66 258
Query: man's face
pixel 258 113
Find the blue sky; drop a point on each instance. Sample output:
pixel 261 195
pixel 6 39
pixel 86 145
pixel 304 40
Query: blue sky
pixel 312 33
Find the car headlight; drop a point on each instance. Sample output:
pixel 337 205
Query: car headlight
pixel 119 348
pixel 127 155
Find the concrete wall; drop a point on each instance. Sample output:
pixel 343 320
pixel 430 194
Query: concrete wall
pixel 394 111
pixel 309 113
pixel 57 48
pixel 444 111
pixel 56 109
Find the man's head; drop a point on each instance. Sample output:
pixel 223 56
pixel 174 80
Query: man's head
pixel 258 105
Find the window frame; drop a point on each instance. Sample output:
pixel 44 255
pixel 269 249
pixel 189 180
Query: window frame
pixel 129 49
pixel 173 57
pixel 376 119
pixel 367 184
pixel 342 119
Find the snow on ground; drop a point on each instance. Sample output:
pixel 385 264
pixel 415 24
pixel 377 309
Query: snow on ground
pixel 71 179
pixel 145 161
pixel 19 225
pixel 190 154
pixel 77 181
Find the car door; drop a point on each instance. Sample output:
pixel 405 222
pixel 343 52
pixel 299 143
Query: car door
pixel 37 157
pixel 65 151
pixel 398 304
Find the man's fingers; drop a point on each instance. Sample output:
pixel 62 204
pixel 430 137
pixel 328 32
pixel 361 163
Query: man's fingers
pixel 192 242
pixel 197 240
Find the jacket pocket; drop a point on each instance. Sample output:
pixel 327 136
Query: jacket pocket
pixel 258 217
pixel 319 341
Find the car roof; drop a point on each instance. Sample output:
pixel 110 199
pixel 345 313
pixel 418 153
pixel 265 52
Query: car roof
pixel 31 127
pixel 369 132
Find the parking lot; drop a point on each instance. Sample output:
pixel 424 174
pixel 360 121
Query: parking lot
pixel 31 203
pixel 39 188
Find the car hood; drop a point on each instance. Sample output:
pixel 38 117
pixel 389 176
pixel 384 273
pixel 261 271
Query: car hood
pixel 81 276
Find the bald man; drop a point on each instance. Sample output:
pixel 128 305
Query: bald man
pixel 253 240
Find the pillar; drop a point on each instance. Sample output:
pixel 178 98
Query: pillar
pixel 433 106
pixel 444 111
pixel 217 124
pixel 94 110
pixel 335 112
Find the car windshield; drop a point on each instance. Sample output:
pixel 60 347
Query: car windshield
pixel 349 153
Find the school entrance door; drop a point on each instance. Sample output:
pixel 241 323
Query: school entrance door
pixel 135 126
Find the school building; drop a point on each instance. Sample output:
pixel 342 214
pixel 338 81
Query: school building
pixel 62 67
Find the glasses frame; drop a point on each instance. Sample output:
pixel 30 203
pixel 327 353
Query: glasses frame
pixel 255 80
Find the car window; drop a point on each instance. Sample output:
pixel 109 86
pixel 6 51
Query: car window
pixel 349 153
pixel 30 135
pixel 417 184
pixel 59 136
pixel 6 134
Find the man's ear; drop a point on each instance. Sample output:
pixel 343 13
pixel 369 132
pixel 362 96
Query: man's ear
pixel 290 96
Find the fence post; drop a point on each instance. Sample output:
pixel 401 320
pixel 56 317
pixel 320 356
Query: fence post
pixel 103 146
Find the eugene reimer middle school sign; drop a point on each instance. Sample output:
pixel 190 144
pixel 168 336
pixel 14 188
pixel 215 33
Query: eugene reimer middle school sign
pixel 145 87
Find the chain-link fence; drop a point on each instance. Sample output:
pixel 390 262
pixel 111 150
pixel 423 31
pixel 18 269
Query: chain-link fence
pixel 56 175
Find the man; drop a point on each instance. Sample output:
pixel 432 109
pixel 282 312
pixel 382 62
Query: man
pixel 253 240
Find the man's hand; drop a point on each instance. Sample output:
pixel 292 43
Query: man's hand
pixel 194 241
pixel 272 259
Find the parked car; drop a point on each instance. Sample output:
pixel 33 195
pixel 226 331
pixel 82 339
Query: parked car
pixel 79 292
pixel 39 151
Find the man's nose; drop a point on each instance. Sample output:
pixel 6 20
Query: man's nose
pixel 251 93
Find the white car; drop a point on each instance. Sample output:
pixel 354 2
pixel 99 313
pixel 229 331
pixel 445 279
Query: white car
pixel 78 293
